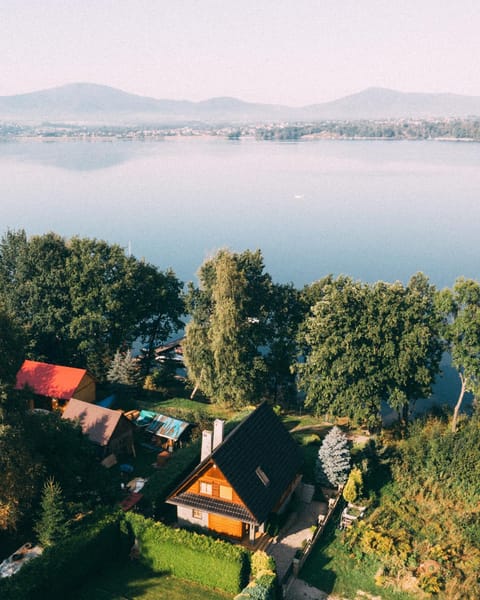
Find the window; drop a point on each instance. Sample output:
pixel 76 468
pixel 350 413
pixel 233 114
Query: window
pixel 225 492
pixel 205 488
pixel 196 514
pixel 262 476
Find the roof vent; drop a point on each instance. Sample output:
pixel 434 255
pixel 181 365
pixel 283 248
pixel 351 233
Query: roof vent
pixel 262 476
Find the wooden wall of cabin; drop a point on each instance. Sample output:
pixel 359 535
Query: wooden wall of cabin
pixel 221 488
pixel 86 389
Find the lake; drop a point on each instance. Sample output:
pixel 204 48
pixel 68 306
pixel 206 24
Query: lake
pixel 370 209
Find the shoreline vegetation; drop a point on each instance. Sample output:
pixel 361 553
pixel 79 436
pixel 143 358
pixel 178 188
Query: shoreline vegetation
pixel 445 130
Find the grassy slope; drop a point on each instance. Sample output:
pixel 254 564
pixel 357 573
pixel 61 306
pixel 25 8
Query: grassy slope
pixel 132 580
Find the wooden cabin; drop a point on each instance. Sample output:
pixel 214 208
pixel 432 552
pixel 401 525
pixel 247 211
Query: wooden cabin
pixel 108 429
pixel 52 386
pixel 241 479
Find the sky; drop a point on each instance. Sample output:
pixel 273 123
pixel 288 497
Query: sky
pixel 293 52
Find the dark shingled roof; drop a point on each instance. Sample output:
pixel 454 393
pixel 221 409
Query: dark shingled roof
pixel 214 505
pixel 260 440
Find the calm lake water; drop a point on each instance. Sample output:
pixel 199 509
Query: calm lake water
pixel 373 210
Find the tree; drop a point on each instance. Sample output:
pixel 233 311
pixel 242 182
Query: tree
pixel 461 328
pixel 52 525
pixel 124 369
pixel 12 347
pixel 286 312
pixel 340 374
pixel 368 344
pixel 333 463
pixel 354 487
pixel 223 339
pixel 80 300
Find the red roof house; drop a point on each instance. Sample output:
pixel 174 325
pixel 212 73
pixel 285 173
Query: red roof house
pixel 53 385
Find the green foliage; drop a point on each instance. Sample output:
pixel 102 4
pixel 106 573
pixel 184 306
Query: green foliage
pixel 460 308
pixel 52 525
pixel 79 300
pixel 260 562
pixel 67 564
pixel 264 587
pixel 365 344
pixel 354 487
pixel 37 446
pixel 228 327
pixel 426 522
pixel 191 556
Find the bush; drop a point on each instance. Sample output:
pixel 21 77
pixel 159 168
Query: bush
pixel 191 556
pixel 354 487
pixel 263 587
pixel 67 564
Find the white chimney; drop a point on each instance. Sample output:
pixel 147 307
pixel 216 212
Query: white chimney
pixel 206 445
pixel 217 432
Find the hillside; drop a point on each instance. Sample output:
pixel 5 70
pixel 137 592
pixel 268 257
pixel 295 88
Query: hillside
pixel 92 103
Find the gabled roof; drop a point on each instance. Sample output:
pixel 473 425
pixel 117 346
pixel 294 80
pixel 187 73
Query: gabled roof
pixel 259 459
pixel 97 422
pixel 53 381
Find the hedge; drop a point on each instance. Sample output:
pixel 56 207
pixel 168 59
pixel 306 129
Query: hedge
pixel 264 587
pixel 192 556
pixel 66 565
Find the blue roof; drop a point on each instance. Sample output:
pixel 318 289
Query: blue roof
pixel 107 402
pixel 167 427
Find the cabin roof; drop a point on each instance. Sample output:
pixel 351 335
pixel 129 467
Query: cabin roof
pixel 259 459
pixel 97 423
pixel 53 381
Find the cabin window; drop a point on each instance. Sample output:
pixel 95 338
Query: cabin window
pixel 205 488
pixel 196 514
pixel 262 476
pixel 225 492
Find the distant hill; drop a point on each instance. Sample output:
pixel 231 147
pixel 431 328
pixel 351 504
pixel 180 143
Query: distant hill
pixel 87 102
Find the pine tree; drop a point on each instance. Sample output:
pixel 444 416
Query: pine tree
pixel 123 369
pixel 52 524
pixel 333 463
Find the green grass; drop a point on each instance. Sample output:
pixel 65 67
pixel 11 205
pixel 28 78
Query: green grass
pixel 132 580
pixel 331 569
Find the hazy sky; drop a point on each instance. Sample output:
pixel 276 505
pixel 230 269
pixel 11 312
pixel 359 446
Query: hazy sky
pixel 282 51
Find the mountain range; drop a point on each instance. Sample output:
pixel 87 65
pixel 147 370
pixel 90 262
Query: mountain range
pixel 93 103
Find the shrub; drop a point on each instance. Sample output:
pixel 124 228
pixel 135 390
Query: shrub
pixel 263 587
pixel 354 487
pixel 261 562
pixel 67 564
pixel 191 556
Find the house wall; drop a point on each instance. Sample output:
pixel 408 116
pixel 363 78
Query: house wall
pixel 185 517
pixel 225 525
pixel 219 483
pixel 121 441
pixel 86 389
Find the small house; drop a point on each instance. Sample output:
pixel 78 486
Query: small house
pixel 242 479
pixel 108 429
pixel 52 386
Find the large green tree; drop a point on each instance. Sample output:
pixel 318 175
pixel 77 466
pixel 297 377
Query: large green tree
pixel 80 300
pixel 228 327
pixel 368 344
pixel 461 328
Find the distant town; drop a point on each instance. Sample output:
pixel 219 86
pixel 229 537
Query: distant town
pixel 445 129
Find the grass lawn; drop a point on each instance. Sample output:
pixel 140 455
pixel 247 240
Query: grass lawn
pixel 132 580
pixel 331 569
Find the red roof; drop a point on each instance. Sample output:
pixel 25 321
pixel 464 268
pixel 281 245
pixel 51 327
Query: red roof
pixel 97 422
pixel 48 380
